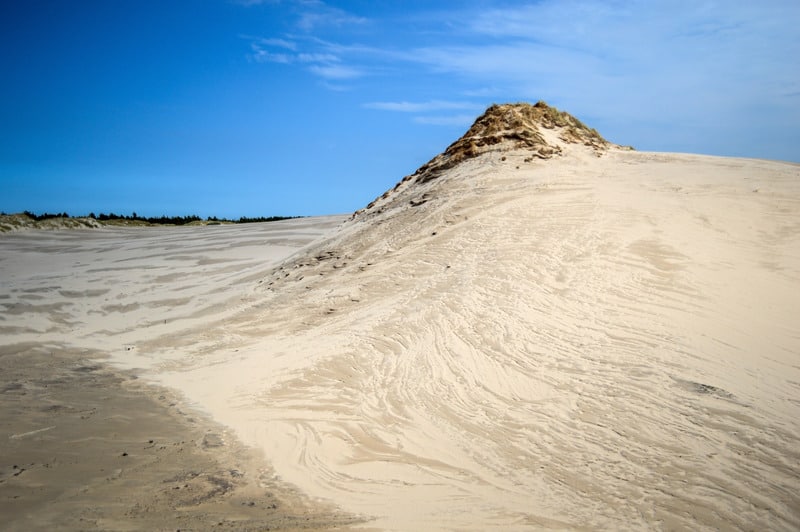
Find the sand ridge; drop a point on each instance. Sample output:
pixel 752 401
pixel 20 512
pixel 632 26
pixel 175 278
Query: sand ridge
pixel 536 345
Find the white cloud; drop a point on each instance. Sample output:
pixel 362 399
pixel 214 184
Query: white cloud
pixel 417 107
pixel 267 57
pixel 462 119
pixel 317 58
pixel 318 14
pixel 321 58
pixel 336 87
pixel 620 57
pixel 323 64
pixel 633 62
pixel 454 120
pixel 279 43
pixel 484 92
pixel 337 72
pixel 248 3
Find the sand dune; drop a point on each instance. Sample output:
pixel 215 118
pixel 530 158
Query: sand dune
pixel 590 337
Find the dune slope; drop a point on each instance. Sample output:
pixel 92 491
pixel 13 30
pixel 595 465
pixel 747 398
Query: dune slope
pixel 554 332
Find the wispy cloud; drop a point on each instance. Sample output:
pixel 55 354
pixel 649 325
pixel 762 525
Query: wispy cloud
pixel 320 58
pixel 317 58
pixel 264 56
pixel 695 59
pixel 454 120
pixel 271 50
pixel 419 107
pixel 422 110
pixel 279 43
pixel 248 3
pixel 335 72
pixel 318 14
pixel 702 62
pixel 323 64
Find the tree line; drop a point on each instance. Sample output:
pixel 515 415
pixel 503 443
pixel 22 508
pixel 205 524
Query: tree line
pixel 160 220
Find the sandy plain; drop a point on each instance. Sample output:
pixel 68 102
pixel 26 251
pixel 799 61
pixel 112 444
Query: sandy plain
pixel 85 445
pixel 594 341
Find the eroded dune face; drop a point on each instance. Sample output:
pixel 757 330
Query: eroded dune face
pixel 602 339
pixel 537 329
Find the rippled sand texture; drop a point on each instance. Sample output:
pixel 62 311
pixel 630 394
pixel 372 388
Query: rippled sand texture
pixel 582 342
pixel 110 288
pixel 585 342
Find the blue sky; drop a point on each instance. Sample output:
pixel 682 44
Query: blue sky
pixel 301 107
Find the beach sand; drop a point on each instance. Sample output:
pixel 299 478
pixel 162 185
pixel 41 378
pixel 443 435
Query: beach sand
pixel 88 446
pixel 594 341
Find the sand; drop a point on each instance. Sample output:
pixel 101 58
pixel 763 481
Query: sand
pixel 88 446
pixel 594 341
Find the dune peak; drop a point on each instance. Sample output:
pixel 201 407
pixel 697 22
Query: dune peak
pixel 540 129
pixel 515 126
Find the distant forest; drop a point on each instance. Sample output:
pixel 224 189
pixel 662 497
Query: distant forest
pixel 161 220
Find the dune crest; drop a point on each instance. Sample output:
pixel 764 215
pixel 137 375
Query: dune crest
pixel 601 339
pixel 540 129
pixel 520 125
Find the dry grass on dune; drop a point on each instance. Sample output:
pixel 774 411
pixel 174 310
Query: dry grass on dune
pixel 509 126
